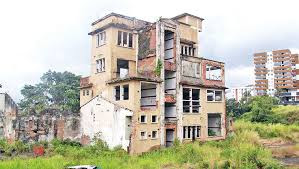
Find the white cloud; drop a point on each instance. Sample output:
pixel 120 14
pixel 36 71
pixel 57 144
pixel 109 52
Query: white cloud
pixel 239 76
pixel 52 34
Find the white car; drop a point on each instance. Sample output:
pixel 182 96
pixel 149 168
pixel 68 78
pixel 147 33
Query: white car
pixel 84 167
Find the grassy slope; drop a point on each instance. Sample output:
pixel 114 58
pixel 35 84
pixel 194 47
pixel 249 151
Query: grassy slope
pixel 241 150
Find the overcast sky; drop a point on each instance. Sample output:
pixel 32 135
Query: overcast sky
pixel 36 36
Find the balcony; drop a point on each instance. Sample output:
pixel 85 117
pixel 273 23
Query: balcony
pixel 169 98
pixel 169 66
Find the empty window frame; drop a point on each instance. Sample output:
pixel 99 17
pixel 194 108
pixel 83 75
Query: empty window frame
pixel 191 132
pixel 191 100
pixel 122 68
pixel 101 38
pixel 143 135
pixel 121 92
pixel 126 92
pixel 117 92
pixel 214 95
pixel 143 119
pixel 154 119
pixel 214 125
pixel 100 65
pixel 154 134
pixel 125 39
pixel 213 72
pixel 148 95
pixel 187 50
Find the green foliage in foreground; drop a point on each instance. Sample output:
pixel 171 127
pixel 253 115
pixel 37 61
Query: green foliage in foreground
pixel 287 132
pixel 241 150
pixel 279 114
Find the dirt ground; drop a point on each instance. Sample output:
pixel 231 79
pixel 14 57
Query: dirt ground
pixel 285 151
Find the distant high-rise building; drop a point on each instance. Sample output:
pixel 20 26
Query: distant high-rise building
pixel 277 73
pixel 238 93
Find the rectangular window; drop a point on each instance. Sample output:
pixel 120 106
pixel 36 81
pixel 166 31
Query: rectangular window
pixel 117 92
pixel 119 38
pixel 154 134
pixel 187 50
pixel 197 131
pixel 218 95
pixel 130 40
pixel 148 95
pixel 142 118
pixel 191 100
pixel 122 68
pixel 101 38
pixel 154 119
pixel 87 92
pixel 213 72
pixel 191 132
pixel 143 135
pixel 125 39
pixel 126 92
pixel 214 95
pixel 100 65
pixel 121 92
pixel 83 92
pixel 210 95
pixel 214 124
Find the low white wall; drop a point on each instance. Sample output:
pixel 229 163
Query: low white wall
pixel 100 115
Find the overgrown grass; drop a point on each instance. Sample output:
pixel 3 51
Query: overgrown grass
pixel 288 132
pixel 240 150
pixel 280 114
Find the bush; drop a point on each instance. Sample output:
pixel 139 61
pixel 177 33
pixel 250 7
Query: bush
pixel 261 108
pixel 288 132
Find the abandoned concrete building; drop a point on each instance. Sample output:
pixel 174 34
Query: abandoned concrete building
pixel 149 84
pixel 8 115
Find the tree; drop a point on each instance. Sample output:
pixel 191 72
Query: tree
pixel 261 108
pixel 58 90
pixel 236 109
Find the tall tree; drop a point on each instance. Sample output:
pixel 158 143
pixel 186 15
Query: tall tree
pixel 59 90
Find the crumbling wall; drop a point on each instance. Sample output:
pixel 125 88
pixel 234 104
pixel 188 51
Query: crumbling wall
pixel 147 52
pixel 8 113
pixel 48 125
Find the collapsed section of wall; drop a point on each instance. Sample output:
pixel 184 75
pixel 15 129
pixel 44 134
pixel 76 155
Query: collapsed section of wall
pixel 47 125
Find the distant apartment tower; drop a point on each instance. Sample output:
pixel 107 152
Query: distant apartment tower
pixel 276 73
pixel 238 93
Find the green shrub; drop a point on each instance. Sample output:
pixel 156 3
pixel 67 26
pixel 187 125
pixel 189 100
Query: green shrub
pixel 288 132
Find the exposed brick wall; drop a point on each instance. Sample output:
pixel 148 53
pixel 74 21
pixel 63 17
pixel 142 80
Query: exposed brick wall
pixel 147 66
pixel 169 66
pixel 169 98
